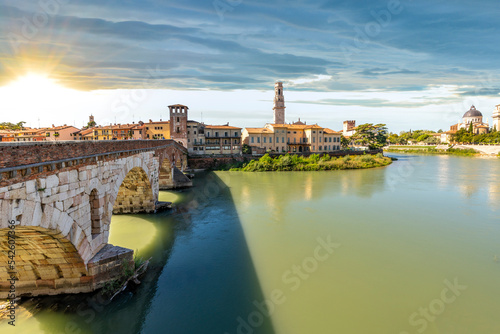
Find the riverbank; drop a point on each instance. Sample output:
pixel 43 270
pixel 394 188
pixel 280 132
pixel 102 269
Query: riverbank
pixel 314 162
pixel 431 150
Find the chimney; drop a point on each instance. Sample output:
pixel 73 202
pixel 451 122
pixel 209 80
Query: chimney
pixel 53 126
pixel 150 121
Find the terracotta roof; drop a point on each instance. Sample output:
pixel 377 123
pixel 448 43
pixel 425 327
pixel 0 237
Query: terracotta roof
pixel 259 130
pixel 314 126
pixel 330 131
pixel 159 122
pixel 222 127
pixel 57 128
pixel 178 105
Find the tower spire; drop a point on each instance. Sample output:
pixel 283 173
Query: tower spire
pixel 279 104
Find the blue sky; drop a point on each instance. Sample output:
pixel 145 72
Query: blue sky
pixel 366 60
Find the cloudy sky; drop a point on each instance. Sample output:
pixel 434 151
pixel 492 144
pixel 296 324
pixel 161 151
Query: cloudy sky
pixel 409 64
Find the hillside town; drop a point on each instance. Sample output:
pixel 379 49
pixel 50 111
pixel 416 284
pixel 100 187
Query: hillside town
pixel 277 137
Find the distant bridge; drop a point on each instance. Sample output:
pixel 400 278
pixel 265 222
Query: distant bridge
pixel 62 196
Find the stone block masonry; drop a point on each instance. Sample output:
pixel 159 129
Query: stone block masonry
pixel 63 213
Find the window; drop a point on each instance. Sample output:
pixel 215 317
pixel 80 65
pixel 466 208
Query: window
pixel 320 139
pixel 225 134
pixel 236 134
pixel 265 139
pixel 314 139
pixel 208 134
pixel 270 140
pixel 178 119
pixel 216 134
pixel 314 131
pixel 194 131
pixel 282 140
pixel 251 139
pixel 295 132
pixel 294 140
pixel 258 140
pixel 320 148
pixel 178 130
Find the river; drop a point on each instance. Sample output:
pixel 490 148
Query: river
pixel 409 248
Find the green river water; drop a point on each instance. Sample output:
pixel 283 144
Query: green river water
pixel 410 248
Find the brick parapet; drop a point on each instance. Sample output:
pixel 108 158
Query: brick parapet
pixel 20 154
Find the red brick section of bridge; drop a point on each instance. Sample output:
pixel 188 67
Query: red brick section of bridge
pixel 17 154
pixel 39 155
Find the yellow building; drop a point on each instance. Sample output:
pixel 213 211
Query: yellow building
pixel 157 130
pixel 222 139
pixel 296 138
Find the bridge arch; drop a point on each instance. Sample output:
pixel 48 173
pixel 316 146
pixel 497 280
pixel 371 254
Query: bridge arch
pixel 72 193
pixel 45 262
pixel 135 193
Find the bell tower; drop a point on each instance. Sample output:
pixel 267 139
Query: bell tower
pixel 178 123
pixel 279 104
pixel 496 118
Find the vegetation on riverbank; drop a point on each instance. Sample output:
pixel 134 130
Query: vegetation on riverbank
pixel 467 136
pixel 314 162
pixel 431 150
pixel 129 272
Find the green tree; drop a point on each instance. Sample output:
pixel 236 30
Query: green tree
pixel 373 136
pixel 422 137
pixel 246 149
pixel 344 142
pixel 12 126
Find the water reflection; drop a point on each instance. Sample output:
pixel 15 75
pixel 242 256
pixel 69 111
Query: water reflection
pixel 200 280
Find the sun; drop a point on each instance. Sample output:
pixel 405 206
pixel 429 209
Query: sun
pixel 35 85
pixel 35 92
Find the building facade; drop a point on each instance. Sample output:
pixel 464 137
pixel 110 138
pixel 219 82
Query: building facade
pixel 473 118
pixel 349 128
pixel 56 133
pixel 297 137
pixel 178 123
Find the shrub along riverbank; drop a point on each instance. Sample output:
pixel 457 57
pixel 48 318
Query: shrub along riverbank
pixel 314 162
pixel 432 150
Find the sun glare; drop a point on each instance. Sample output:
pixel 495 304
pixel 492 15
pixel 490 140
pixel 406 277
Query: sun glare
pixel 34 85
pixel 37 93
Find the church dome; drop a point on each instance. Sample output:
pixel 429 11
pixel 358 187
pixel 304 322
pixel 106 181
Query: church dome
pixel 473 112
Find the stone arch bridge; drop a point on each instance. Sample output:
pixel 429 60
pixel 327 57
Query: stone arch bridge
pixel 61 196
